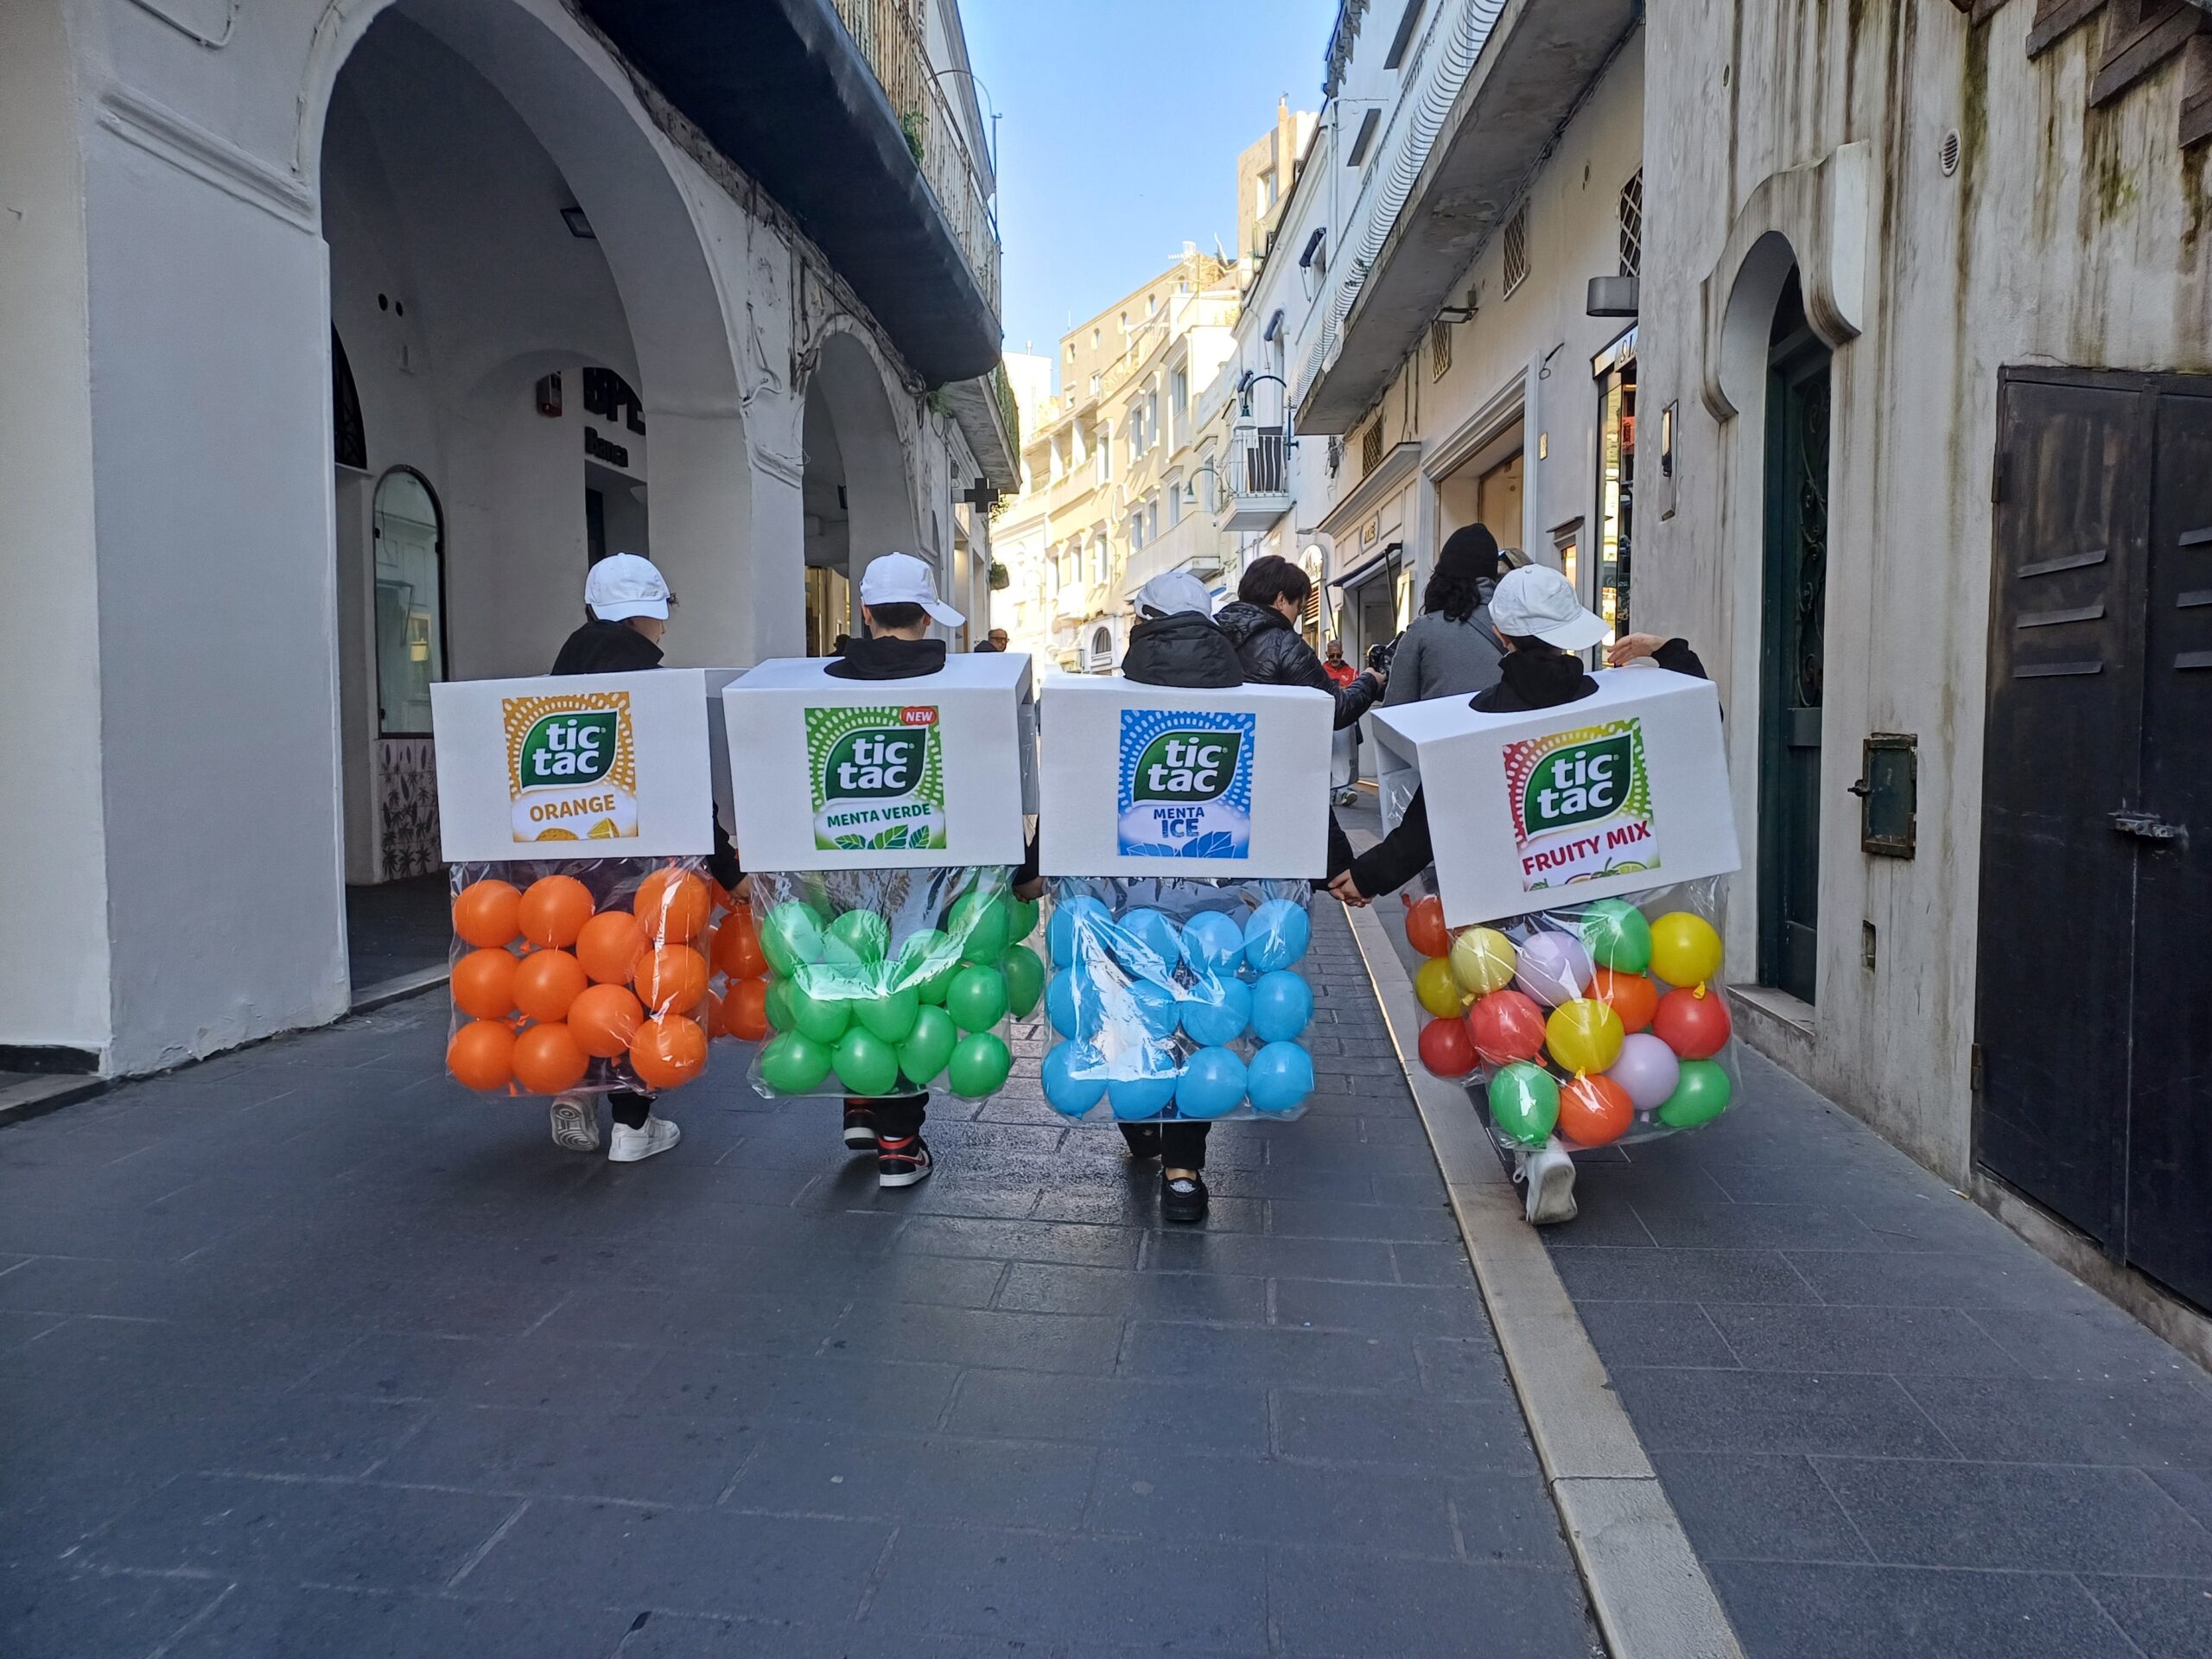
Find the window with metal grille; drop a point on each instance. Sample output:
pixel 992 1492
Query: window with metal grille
pixel 1516 250
pixel 1335 456
pixel 1632 225
pixel 1371 448
pixel 1439 350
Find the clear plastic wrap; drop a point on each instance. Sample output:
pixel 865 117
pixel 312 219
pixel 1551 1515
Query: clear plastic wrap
pixel 1599 1023
pixel 1176 998
pixel 586 974
pixel 885 982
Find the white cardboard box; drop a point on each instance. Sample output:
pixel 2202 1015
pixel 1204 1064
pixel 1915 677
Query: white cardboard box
pixel 834 774
pixel 599 766
pixel 1154 780
pixel 1621 791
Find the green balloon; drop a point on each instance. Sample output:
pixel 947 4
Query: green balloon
pixel 923 1059
pixel 866 1064
pixel 1702 1094
pixel 1025 916
pixel 890 1016
pixel 979 1066
pixel 791 937
pixel 792 1065
pixel 927 962
pixel 976 998
pixel 857 935
pixel 1025 980
pixel 821 1019
pixel 780 1017
pixel 1616 935
pixel 1524 1102
pixel 984 926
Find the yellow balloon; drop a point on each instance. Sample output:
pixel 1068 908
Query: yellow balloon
pixel 1583 1035
pixel 1685 950
pixel 1438 992
pixel 1482 960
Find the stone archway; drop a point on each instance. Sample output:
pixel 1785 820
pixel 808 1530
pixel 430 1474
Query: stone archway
pixel 856 464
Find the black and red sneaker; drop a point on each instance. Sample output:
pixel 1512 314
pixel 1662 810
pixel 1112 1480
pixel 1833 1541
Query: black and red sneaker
pixel 860 1126
pixel 901 1160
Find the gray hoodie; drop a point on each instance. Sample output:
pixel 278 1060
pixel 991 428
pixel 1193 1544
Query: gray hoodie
pixel 1438 657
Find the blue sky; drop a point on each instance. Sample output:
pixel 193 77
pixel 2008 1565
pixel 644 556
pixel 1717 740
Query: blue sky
pixel 1121 122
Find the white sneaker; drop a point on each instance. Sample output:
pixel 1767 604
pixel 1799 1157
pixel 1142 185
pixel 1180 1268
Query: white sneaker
pixel 575 1122
pixel 628 1146
pixel 1550 1176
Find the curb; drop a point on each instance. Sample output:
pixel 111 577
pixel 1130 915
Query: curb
pixel 1648 1591
pixel 21 1102
pixel 396 988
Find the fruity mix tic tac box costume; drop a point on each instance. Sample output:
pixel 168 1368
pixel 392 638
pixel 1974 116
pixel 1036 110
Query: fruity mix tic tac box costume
pixel 1571 955
pixel 882 820
pixel 1182 829
pixel 576 815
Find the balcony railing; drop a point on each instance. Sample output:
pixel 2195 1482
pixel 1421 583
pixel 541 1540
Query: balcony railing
pixel 1255 476
pixel 889 34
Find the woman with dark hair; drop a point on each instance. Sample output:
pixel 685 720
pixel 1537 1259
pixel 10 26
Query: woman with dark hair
pixel 1262 622
pixel 1452 650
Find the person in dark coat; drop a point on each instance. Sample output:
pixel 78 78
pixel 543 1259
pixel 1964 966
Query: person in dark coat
pixel 626 603
pixel 1176 643
pixel 1262 622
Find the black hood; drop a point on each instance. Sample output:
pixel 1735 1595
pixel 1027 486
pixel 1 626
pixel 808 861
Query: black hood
pixel 1186 649
pixel 887 659
pixel 606 648
pixel 1535 678
pixel 1244 621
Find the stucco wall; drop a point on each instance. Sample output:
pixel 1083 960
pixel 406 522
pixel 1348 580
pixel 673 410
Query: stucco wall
pixel 2067 235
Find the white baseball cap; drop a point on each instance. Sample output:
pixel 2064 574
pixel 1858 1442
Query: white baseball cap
pixel 1176 591
pixel 902 579
pixel 1537 600
pixel 622 585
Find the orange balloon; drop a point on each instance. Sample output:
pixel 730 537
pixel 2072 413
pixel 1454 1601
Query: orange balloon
pixel 1593 1110
pixel 548 1059
pixel 674 906
pixel 737 946
pixel 554 911
pixel 484 914
pixel 484 984
pixel 604 1018
pixel 674 977
pixel 609 947
pixel 1632 996
pixel 1424 928
pixel 668 1051
pixel 482 1055
pixel 546 982
pixel 745 1010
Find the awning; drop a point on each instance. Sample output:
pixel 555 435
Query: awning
pixel 1359 575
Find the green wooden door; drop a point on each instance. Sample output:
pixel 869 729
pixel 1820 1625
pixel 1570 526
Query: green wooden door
pixel 1794 603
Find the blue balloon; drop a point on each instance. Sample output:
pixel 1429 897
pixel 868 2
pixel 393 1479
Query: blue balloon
pixel 1071 1004
pixel 1212 944
pixel 1075 1078
pixel 1061 934
pixel 1151 934
pixel 1212 1084
pixel 1276 935
pixel 1157 1007
pixel 1216 1011
pixel 1282 1005
pixel 1135 1099
pixel 1279 1078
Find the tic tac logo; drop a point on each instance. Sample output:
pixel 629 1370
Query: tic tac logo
pixel 865 765
pixel 1579 784
pixel 878 778
pixel 568 748
pixel 572 766
pixel 1187 767
pixel 1581 804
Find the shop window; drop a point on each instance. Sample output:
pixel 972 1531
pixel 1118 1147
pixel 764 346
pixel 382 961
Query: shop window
pixel 1616 492
pixel 409 603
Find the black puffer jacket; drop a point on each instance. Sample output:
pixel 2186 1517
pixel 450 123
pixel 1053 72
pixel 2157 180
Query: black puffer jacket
pixel 1274 654
pixel 1186 649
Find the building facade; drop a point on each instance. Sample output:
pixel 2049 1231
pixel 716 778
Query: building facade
pixel 343 337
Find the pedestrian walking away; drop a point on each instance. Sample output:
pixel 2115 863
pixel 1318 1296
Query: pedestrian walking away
pixel 1343 744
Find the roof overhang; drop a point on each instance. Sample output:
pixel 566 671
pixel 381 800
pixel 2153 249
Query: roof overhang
pixel 780 87
pixel 1539 59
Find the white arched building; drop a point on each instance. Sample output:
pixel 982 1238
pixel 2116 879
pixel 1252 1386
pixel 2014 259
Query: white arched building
pixel 339 336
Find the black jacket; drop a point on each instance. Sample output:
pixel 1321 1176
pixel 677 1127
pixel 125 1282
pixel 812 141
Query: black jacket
pixel 618 648
pixel 1274 654
pixel 1530 680
pixel 1186 649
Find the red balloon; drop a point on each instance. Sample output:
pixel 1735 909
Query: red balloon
pixel 1694 1023
pixel 1424 928
pixel 1446 1048
pixel 1504 1027
pixel 1593 1110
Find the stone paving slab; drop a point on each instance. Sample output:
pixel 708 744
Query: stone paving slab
pixel 303 1351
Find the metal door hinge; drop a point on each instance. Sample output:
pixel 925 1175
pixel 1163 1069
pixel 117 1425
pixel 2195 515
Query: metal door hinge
pixel 2149 826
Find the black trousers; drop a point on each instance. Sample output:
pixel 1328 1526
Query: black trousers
pixel 1182 1146
pixel 898 1117
pixel 631 1109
